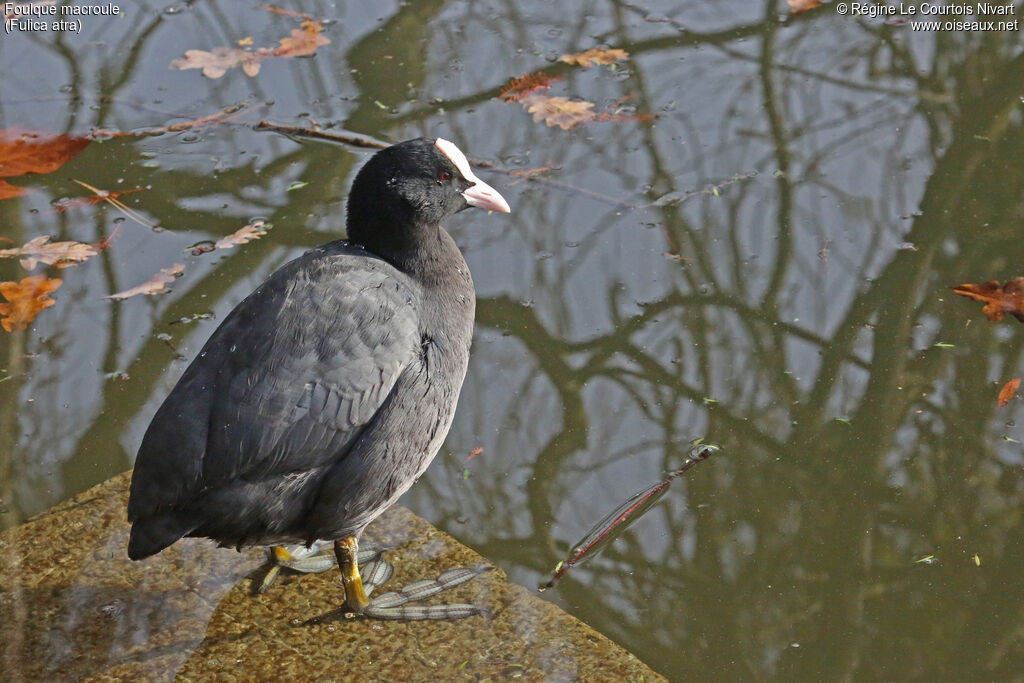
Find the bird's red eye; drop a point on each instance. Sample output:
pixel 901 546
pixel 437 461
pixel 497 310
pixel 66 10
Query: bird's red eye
pixel 445 176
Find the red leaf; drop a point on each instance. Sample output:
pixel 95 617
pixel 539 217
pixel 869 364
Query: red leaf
pixel 1008 390
pixel 998 299
pixel 24 151
pixel 517 88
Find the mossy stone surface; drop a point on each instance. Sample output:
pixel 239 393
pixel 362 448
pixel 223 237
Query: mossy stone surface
pixel 74 607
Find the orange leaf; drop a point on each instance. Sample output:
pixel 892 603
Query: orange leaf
pixel 63 254
pixel 155 285
pixel 286 12
pixel 303 41
pixel 559 111
pixel 475 452
pixel 1008 390
pixel 7 190
pixel 595 56
pixel 798 6
pixel 517 88
pixel 998 300
pixel 247 233
pixel 25 300
pixel 24 151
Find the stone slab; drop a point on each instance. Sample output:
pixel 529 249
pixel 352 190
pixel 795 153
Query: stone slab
pixel 73 607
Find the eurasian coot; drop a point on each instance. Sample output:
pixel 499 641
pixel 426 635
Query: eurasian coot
pixel 325 394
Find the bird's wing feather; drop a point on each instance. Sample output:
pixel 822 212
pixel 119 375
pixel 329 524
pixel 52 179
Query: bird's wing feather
pixel 287 381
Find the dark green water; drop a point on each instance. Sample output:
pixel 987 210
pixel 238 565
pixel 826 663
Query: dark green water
pixel 767 265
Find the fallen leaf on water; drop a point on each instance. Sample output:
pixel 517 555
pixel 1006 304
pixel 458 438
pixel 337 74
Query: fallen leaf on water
pixel 303 41
pixel 25 300
pixel 75 202
pixel 517 88
pixel 1008 390
pixel 41 250
pixel 530 91
pixel 216 62
pixel 595 56
pixel 7 190
pixel 285 12
pixel 998 299
pixel 475 452
pixel 247 233
pixel 25 151
pixel 111 198
pixel 155 285
pixel 559 111
pixel 798 6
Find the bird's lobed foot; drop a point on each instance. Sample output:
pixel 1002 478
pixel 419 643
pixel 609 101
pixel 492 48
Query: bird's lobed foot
pixel 375 570
pixel 315 559
pixel 394 605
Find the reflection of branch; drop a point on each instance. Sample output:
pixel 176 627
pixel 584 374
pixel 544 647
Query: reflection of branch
pixel 316 133
pixel 224 116
pixel 369 143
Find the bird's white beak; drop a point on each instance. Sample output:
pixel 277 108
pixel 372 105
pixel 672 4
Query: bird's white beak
pixel 480 195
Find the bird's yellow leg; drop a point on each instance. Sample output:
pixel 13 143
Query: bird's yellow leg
pixel 346 550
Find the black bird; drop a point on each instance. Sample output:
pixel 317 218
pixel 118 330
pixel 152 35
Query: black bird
pixel 325 394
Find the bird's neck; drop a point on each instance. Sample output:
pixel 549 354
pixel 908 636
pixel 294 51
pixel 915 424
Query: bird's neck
pixel 426 253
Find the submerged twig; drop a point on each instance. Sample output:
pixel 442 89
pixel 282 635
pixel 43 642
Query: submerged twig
pixel 232 112
pixel 616 522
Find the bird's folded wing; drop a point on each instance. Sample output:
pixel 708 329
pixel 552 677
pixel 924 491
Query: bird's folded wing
pixel 289 379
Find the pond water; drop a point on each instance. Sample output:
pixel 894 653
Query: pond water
pixel 767 265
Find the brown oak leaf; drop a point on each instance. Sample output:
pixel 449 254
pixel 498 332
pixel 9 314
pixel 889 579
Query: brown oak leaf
pixel 7 190
pixel 998 299
pixel 155 285
pixel 595 56
pixel 26 151
pixel 217 61
pixel 517 88
pixel 41 250
pixel 25 299
pixel 247 233
pixel 559 111
pixel 302 41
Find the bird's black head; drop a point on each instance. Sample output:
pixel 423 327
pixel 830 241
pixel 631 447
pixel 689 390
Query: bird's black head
pixel 405 191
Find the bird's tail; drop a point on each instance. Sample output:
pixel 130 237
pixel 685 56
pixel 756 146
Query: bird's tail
pixel 150 535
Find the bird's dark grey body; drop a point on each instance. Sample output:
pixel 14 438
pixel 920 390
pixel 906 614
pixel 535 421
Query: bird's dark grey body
pixel 337 423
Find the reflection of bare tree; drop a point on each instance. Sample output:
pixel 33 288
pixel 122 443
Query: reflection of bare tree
pixel 804 558
pixel 598 359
